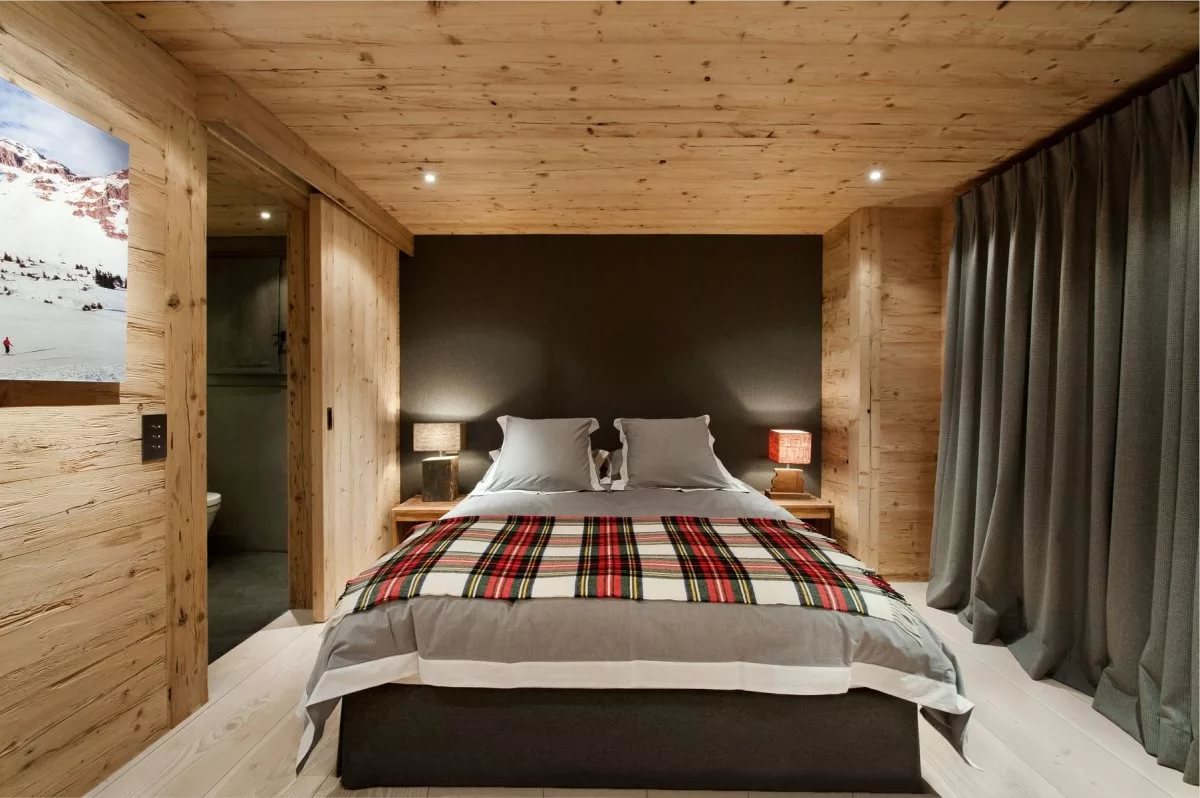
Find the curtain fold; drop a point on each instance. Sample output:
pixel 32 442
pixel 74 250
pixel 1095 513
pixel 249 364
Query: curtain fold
pixel 1066 521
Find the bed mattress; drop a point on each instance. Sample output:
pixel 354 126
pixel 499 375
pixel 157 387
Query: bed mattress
pixel 607 644
pixel 405 735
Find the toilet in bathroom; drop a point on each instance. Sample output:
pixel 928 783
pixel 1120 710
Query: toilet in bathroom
pixel 213 504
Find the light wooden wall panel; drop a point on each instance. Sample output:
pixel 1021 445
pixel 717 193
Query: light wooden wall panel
pixel 354 291
pixel 881 382
pixel 300 421
pixel 102 627
pixel 837 373
pixel 908 386
pixel 187 425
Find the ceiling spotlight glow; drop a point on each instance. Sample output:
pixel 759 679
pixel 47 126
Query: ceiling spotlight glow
pixel 875 175
pixel 264 215
pixel 430 178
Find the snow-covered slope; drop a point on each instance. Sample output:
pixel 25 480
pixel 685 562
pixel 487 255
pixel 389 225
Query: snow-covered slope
pixel 61 236
pixel 48 214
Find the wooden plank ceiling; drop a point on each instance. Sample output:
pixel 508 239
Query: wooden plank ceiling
pixel 238 195
pixel 668 117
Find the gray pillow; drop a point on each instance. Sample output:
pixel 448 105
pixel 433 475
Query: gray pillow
pixel 669 453
pixel 549 454
pixel 599 457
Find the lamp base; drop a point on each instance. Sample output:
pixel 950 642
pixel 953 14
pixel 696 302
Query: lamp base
pixel 788 484
pixel 439 479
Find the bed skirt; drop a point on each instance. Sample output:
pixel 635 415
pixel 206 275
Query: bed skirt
pixel 408 735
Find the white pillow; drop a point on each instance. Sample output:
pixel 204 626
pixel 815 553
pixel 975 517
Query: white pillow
pixel 670 453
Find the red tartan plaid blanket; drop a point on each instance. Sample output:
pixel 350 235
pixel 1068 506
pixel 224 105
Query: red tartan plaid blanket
pixel 670 558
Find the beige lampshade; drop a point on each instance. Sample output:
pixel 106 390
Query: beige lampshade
pixel 439 436
pixel 790 446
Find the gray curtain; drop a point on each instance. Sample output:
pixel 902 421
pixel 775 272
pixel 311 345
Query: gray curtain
pixel 1066 519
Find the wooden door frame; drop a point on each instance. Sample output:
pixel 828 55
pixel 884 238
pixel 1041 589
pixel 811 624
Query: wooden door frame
pixel 185 376
pixel 315 478
pixel 300 433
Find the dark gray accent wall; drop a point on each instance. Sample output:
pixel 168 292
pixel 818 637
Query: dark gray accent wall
pixel 607 326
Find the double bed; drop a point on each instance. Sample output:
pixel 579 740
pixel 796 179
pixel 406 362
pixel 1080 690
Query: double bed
pixel 544 671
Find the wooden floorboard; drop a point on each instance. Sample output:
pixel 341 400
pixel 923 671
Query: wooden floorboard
pixel 1028 739
pixel 1060 718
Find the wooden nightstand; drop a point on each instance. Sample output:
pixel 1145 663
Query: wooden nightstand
pixel 816 511
pixel 408 514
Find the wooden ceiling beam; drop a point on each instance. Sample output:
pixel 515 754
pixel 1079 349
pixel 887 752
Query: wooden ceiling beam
pixel 242 165
pixel 236 117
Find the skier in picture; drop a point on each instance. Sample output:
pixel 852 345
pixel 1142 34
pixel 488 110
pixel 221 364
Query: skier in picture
pixel 7 346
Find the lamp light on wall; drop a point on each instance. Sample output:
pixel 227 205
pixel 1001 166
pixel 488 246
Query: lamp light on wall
pixel 790 447
pixel 439 475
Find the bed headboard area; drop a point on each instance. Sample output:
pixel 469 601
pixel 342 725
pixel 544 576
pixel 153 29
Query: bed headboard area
pixel 613 325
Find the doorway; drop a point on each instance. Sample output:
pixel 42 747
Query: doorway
pixel 247 447
pixel 250 217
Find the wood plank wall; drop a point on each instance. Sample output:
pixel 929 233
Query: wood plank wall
pixel 839 426
pixel 103 635
pixel 881 382
pixel 354 290
pixel 299 421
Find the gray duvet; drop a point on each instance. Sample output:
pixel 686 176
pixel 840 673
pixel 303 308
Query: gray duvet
pixel 614 644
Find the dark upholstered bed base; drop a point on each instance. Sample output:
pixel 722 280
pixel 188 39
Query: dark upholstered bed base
pixel 398 735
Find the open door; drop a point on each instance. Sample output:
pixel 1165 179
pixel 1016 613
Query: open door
pixel 354 350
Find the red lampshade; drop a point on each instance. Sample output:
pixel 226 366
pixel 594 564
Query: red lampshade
pixel 790 446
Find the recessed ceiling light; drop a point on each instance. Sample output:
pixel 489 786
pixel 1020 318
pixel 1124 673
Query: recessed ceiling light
pixel 430 177
pixel 875 175
pixel 264 215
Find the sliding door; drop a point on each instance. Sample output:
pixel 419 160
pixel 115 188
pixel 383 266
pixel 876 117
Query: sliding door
pixel 355 356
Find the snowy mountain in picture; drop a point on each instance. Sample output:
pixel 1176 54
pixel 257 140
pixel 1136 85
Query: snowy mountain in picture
pixel 64 251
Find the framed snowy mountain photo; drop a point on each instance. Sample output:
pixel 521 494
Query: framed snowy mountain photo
pixel 64 244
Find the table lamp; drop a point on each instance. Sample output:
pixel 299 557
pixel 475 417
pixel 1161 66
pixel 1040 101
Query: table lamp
pixel 439 475
pixel 790 447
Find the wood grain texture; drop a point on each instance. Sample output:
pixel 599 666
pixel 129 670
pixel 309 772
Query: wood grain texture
pixel 410 513
pixel 237 117
pixel 1029 738
pixel 319 453
pixel 354 274
pixel 881 383
pixel 839 414
pixel 908 387
pixel 90 537
pixel 187 427
pixel 611 117
pixel 417 509
pixel 238 192
pixel 299 422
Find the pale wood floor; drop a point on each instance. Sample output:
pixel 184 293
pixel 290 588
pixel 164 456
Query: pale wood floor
pixel 1028 738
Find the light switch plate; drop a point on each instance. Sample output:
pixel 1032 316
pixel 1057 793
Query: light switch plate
pixel 154 437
